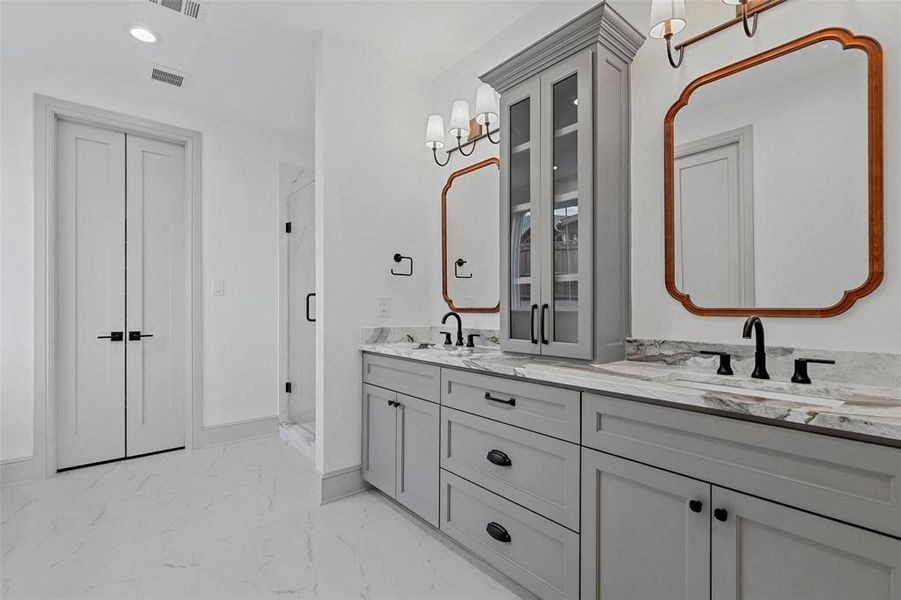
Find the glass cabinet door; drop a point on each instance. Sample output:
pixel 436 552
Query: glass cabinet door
pixel 520 201
pixel 565 313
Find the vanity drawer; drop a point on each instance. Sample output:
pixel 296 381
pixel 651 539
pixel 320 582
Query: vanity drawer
pixel 542 474
pixel 541 408
pixel 538 554
pixel 856 482
pixel 411 378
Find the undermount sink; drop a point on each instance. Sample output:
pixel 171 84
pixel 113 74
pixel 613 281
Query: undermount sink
pixel 759 393
pixel 453 350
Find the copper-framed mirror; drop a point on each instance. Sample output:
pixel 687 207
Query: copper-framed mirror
pixel 773 181
pixel 470 251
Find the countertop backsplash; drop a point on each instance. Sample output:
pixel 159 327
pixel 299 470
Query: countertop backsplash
pixel 859 368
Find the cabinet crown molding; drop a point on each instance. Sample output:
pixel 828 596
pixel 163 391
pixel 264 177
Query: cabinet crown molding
pixel 599 25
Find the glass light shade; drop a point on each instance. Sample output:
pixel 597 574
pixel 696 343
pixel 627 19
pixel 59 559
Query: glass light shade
pixel 434 132
pixel 459 121
pixel 733 2
pixel 486 104
pixel 667 18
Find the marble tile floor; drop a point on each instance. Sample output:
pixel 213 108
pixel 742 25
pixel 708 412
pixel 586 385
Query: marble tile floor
pixel 236 521
pixel 301 436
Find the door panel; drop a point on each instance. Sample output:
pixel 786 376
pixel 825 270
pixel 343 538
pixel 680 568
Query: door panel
pixel 766 551
pixel 418 427
pixel 566 216
pixel 520 243
pixel 156 296
pixel 89 382
pixel 379 438
pixel 641 539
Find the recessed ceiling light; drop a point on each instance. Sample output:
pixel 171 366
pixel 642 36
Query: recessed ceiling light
pixel 143 34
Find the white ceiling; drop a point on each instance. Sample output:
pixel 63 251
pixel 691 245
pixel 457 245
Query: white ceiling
pixel 253 58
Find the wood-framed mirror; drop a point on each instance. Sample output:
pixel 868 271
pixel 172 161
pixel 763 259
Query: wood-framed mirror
pixel 470 251
pixel 773 181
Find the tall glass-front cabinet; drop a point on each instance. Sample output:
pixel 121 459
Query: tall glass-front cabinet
pixel 564 190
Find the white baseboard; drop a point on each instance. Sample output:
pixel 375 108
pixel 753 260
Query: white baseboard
pixel 341 484
pixel 15 470
pixel 216 435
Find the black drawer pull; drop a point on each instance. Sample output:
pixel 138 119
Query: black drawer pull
pixel 695 506
pixel 499 458
pixel 114 336
pixel 135 336
pixel 498 532
pixel 720 514
pixel 511 401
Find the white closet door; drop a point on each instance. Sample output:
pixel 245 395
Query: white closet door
pixel 156 305
pixel 89 374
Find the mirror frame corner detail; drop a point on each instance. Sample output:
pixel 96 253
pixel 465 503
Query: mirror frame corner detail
pixel 444 271
pixel 848 40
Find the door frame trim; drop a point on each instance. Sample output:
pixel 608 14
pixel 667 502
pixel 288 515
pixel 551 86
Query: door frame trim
pixel 47 113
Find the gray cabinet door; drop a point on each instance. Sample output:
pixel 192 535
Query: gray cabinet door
pixel 418 424
pixel 520 237
pixel 766 551
pixel 565 219
pixel 379 438
pixel 641 536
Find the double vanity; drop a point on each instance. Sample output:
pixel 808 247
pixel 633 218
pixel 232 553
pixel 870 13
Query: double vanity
pixel 699 473
pixel 639 479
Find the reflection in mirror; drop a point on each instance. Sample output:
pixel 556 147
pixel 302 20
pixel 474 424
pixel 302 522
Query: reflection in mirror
pixel 770 182
pixel 470 220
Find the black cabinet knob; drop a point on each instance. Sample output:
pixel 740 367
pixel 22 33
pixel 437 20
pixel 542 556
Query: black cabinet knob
pixel 499 458
pixel 695 506
pixel 498 532
pixel 720 514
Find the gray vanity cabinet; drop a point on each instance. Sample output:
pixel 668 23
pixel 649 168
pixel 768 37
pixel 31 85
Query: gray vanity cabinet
pixel 400 449
pixel 379 462
pixel 645 532
pixel 764 550
pixel 564 193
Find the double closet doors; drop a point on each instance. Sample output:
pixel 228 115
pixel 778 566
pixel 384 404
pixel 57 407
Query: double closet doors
pixel 120 295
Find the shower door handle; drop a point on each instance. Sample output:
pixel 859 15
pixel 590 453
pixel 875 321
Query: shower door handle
pixel 309 297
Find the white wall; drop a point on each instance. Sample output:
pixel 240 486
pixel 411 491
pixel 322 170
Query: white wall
pixel 873 324
pixel 240 242
pixel 371 171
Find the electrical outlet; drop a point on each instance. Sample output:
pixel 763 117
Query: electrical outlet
pixel 218 287
pixel 384 307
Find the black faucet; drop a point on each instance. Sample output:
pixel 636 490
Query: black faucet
pixel 459 326
pixel 755 324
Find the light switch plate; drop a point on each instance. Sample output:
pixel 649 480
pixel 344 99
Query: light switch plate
pixel 218 287
pixel 384 308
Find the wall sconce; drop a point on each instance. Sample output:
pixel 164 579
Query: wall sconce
pixel 461 124
pixel 668 19
pixel 749 31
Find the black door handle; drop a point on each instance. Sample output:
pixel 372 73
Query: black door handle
pixel 720 514
pixel 511 401
pixel 532 337
pixel 544 309
pixel 114 336
pixel 499 458
pixel 695 506
pixel 309 318
pixel 135 336
pixel 498 532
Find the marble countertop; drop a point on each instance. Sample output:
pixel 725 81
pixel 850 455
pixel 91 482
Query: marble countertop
pixel 862 412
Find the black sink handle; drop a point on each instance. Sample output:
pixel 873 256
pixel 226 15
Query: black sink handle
pixel 499 458
pixel 498 532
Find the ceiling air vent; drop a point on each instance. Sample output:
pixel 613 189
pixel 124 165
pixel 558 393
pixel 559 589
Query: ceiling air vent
pixel 168 75
pixel 189 8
